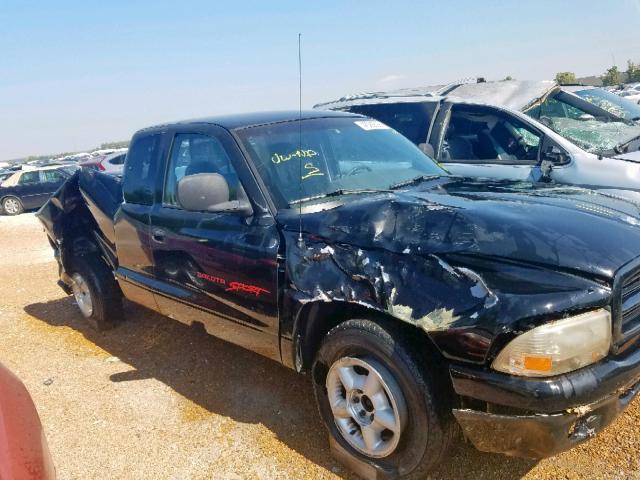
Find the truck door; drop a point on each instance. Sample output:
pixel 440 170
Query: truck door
pixel 216 268
pixel 484 141
pixel 132 221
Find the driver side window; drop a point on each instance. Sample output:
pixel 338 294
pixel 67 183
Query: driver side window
pixel 192 154
pixel 484 135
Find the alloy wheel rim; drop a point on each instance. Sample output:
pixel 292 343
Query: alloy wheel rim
pixel 82 294
pixel 367 405
pixel 11 205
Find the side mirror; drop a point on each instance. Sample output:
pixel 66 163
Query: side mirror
pixel 554 155
pixel 551 156
pixel 542 172
pixel 209 192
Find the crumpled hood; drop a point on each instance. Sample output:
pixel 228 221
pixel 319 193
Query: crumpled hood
pixel 558 227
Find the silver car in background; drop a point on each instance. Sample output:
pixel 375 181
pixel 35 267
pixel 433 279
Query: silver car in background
pixel 517 130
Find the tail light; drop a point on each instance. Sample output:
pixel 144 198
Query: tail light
pixel 101 167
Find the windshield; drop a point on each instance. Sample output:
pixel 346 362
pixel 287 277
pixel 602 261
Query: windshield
pixel 611 102
pixel 592 128
pixel 335 154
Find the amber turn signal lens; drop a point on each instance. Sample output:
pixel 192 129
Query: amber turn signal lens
pixel 542 364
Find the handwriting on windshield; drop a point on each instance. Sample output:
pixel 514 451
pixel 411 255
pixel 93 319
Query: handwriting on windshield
pixel 280 158
pixel 312 171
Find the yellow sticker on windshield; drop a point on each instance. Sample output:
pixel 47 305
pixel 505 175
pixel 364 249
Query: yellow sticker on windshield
pixel 281 158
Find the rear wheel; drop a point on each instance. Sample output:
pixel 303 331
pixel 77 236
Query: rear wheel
pixel 12 206
pixel 379 400
pixel 96 292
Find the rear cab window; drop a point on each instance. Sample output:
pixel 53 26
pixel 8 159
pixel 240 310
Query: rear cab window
pixel 141 165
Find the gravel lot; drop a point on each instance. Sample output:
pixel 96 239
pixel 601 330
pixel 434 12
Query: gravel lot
pixel 155 399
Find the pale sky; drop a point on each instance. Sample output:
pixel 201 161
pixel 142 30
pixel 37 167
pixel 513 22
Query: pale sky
pixel 75 74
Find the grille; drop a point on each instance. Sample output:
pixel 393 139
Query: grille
pixel 630 304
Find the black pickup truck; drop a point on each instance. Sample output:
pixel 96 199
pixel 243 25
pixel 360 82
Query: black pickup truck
pixel 417 301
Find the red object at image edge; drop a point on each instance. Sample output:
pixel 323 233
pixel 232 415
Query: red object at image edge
pixel 24 454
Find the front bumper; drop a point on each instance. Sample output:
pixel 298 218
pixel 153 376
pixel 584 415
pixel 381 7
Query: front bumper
pixel 537 418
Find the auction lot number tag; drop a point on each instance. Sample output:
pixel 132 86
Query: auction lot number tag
pixel 371 125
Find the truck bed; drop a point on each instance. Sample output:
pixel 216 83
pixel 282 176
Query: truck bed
pixel 94 198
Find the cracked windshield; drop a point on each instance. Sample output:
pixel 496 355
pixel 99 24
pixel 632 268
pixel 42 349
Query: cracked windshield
pixel 595 130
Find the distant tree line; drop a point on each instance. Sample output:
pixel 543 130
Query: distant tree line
pixel 122 144
pixel 613 75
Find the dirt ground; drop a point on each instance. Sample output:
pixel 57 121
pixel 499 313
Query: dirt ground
pixel 155 399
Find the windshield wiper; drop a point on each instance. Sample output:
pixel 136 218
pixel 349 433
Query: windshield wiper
pixel 413 181
pixel 336 193
pixel 624 147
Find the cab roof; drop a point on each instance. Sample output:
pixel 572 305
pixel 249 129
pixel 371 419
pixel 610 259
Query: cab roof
pixel 245 120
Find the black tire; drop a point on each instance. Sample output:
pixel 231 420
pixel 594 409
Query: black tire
pixel 15 201
pixel 429 432
pixel 105 294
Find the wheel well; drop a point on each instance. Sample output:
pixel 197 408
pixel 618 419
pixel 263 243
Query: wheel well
pixel 317 319
pixel 77 244
pixel 10 196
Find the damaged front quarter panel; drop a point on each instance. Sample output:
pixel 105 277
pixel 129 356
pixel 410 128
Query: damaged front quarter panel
pixel 436 267
pixel 412 288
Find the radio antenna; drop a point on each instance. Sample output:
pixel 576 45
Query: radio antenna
pixel 300 241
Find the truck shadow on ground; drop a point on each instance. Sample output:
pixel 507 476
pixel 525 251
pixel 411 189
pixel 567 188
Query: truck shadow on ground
pixel 228 380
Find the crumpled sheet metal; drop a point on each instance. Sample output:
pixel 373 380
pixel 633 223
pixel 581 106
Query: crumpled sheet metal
pixel 514 94
pixel 462 270
pixel 412 288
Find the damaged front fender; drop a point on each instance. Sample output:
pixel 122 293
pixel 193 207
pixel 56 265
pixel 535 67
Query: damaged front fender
pixel 423 291
pixel 463 309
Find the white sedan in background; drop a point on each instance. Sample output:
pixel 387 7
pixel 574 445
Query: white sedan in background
pixel 112 163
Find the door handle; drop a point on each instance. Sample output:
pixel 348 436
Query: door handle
pixel 158 235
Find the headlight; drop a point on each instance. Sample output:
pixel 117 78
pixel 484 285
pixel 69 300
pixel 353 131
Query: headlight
pixel 558 347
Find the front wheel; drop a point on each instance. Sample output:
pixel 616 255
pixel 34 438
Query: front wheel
pixel 12 206
pixel 379 400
